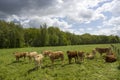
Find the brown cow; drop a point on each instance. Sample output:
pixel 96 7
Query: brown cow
pixel 47 52
pixel 72 54
pixel 56 55
pixel 20 55
pixel 110 57
pixel 81 55
pixel 102 50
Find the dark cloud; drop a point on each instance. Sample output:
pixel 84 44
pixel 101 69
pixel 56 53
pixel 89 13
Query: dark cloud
pixel 12 6
pixel 17 6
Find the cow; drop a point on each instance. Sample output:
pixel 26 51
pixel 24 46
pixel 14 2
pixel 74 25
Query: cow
pixel 91 55
pixel 110 57
pixel 19 55
pixel 46 52
pixel 56 55
pixel 72 54
pixel 102 50
pixel 38 60
pixel 31 55
pixel 81 55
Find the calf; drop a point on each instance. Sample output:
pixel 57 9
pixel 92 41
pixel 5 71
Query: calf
pixel 72 54
pixel 20 55
pixel 38 60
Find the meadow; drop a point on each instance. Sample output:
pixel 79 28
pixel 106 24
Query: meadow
pixel 96 69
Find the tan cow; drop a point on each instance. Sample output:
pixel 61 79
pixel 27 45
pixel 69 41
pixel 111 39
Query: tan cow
pixel 91 55
pixel 56 55
pixel 38 60
pixel 31 55
pixel 19 55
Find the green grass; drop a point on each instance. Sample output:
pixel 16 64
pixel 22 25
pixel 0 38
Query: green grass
pixel 95 69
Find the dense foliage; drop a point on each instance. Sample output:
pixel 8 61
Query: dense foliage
pixel 13 35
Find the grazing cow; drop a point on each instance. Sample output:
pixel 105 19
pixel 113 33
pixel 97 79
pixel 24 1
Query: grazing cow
pixel 38 60
pixel 31 55
pixel 46 53
pixel 103 50
pixel 91 55
pixel 56 55
pixel 81 55
pixel 72 54
pixel 20 55
pixel 110 57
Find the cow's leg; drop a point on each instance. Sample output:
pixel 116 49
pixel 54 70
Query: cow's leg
pixel 52 60
pixel 82 59
pixel 36 65
pixel 17 58
pixel 62 59
pixel 69 60
pixel 100 54
pixel 76 58
pixel 30 59
pixel 24 57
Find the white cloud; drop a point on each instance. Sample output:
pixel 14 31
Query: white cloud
pixel 99 27
pixel 81 30
pixel 114 22
pixel 37 21
pixel 112 7
pixel 116 7
pixel 109 27
pixel 90 29
pixel 66 13
pixel 103 31
pixel 76 10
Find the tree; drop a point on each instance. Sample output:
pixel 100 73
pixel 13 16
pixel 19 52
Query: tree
pixel 44 37
pixel 14 35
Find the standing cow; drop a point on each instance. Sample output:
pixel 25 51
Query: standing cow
pixel 81 55
pixel 72 54
pixel 19 55
pixel 103 50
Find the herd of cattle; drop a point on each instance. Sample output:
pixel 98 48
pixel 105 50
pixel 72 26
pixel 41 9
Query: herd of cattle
pixel 77 55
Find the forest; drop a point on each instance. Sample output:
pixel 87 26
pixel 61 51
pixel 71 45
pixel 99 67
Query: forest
pixel 15 36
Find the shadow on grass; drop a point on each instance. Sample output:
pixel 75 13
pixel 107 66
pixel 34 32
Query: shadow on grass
pixel 31 70
pixel 50 66
pixel 46 66
pixel 118 67
pixel 15 62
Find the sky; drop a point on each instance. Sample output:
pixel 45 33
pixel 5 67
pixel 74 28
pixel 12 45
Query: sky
pixel 97 17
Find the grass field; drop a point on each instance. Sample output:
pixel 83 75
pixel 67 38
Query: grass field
pixel 95 69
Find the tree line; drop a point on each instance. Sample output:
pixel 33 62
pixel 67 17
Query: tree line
pixel 14 36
